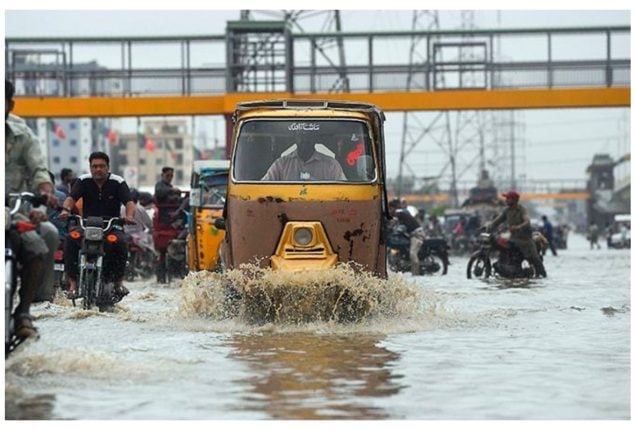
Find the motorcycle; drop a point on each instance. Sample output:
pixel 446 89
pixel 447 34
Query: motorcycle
pixel 60 279
pixel 141 259
pixel 92 232
pixel 509 260
pixel 169 235
pixel 433 255
pixel 11 265
pixel 176 257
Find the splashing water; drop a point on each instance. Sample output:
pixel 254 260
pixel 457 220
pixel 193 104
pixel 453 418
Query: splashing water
pixel 260 295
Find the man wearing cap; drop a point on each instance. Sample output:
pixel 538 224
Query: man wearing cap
pixel 517 219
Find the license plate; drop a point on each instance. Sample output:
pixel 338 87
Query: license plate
pixel 59 267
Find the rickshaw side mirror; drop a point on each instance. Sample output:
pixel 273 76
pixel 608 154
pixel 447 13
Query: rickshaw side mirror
pixel 219 223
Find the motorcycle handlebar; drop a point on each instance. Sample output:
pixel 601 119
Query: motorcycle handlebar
pixel 114 220
pixel 35 200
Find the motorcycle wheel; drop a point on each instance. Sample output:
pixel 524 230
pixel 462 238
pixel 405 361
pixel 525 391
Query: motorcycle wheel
pixel 479 266
pixel 437 262
pixel 89 288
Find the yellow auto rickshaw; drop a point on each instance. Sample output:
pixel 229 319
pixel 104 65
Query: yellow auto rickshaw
pixel 207 198
pixel 306 186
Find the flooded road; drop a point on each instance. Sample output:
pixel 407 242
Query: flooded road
pixel 555 348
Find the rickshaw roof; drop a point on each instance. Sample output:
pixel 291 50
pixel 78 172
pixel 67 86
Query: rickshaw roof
pixel 309 105
pixel 200 165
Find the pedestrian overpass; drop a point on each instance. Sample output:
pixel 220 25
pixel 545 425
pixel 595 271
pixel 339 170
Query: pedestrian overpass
pixel 538 68
pixel 208 75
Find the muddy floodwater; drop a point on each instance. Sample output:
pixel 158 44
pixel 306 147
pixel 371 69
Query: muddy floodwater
pixel 427 348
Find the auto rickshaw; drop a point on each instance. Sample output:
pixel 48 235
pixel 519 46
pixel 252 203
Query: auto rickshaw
pixel 286 215
pixel 207 198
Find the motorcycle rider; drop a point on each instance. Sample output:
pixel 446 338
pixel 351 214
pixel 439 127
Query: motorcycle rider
pixel 141 231
pixel 517 219
pixel 414 229
pixel 26 170
pixel 102 193
pixel 168 200
pixel 67 177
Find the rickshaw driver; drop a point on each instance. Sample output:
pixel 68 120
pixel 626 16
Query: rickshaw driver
pixel 305 164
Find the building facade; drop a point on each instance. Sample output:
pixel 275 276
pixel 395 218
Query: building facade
pixel 159 143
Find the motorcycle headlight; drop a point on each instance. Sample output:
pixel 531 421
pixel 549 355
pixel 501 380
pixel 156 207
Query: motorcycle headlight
pixel 93 233
pixel 303 236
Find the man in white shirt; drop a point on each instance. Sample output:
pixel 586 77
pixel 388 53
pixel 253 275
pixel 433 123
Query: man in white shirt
pixel 305 164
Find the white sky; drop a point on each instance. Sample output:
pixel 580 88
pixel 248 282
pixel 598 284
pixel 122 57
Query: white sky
pixel 558 143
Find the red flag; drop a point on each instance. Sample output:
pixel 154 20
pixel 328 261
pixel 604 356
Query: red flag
pixel 57 129
pixel 112 137
pixel 150 146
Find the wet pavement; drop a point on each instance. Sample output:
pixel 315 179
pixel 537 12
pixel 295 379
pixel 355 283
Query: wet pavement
pixel 431 348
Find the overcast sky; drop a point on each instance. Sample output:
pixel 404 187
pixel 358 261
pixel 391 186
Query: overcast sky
pixel 557 143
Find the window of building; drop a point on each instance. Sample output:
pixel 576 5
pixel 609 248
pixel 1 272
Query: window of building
pixel 178 143
pixel 179 158
pixel 123 144
pixel 72 126
pixel 123 159
pixel 160 161
pixel 179 175
pixel 170 129
pixel 56 160
pixel 73 159
pixel 142 161
pixel 56 142
pixel 142 177
pixel 73 142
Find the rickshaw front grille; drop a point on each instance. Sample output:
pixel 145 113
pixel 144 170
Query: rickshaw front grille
pixel 311 251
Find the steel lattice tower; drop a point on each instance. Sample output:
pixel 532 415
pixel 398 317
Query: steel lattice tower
pixel 416 127
pixel 331 50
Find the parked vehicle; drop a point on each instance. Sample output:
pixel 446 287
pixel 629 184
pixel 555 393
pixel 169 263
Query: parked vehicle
pixel 620 235
pixel 433 255
pixel 498 255
pixel 92 232
pixel 11 265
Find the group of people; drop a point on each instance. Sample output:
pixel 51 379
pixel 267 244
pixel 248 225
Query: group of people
pixel 99 193
pixel 515 215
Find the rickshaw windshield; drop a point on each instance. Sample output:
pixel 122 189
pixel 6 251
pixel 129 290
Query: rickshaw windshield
pixel 301 150
pixel 213 189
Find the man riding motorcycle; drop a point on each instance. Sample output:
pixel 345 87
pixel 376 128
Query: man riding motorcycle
pixel 415 231
pixel 26 170
pixel 102 193
pixel 517 219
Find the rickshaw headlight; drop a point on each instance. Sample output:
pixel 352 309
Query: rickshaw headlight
pixel 303 236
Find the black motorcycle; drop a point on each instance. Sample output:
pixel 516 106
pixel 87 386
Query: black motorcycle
pixel 176 258
pixel 433 255
pixel 60 280
pixel 92 232
pixel 11 279
pixel 508 260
